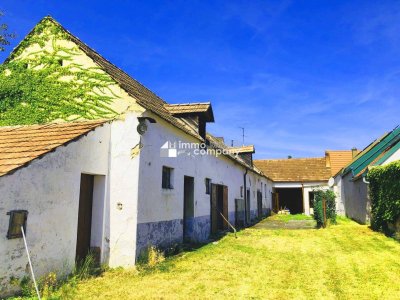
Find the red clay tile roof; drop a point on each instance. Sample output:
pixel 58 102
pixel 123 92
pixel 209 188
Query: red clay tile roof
pixel 337 159
pixel 295 169
pixel 19 145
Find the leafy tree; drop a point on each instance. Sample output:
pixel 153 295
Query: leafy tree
pixel 5 36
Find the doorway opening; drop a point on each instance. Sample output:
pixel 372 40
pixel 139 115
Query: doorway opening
pixel 239 213
pixel 90 217
pixel 188 208
pixel 219 207
pixel 311 196
pixel 291 199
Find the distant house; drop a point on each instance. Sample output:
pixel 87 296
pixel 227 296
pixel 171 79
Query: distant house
pixel 149 176
pixel 294 179
pixel 350 184
pixel 336 160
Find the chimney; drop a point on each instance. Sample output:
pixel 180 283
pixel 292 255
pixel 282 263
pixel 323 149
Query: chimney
pixel 354 152
pixel 327 159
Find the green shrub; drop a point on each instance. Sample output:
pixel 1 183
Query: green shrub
pixel 384 192
pixel 329 196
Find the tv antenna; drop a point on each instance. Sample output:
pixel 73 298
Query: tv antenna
pixel 242 134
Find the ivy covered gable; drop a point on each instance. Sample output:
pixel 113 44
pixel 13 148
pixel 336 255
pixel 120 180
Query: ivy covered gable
pixel 48 77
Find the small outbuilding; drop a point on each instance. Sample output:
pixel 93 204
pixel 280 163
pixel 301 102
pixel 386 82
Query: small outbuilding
pixel 295 179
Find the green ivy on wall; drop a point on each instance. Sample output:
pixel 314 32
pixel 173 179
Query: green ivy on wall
pixel 48 84
pixel 384 192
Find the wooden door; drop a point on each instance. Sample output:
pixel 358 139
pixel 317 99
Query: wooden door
pixel 259 204
pixel 225 205
pixel 239 213
pixel 84 217
pixel 214 208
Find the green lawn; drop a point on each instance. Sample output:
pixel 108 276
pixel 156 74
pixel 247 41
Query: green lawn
pixel 287 218
pixel 346 261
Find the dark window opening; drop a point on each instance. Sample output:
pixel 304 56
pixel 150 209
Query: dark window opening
pixel 241 191
pixel 208 186
pixel 17 220
pixel 167 178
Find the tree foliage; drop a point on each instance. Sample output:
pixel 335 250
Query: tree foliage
pixel 384 192
pixel 47 85
pixel 5 35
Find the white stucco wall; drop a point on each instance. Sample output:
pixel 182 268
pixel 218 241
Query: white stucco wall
pixel 307 188
pixel 48 189
pixel 157 204
pixel 395 156
pixel 338 189
pixel 356 199
pixel 169 206
pixel 122 211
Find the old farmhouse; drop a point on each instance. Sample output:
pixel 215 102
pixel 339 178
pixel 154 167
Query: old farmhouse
pixel 148 175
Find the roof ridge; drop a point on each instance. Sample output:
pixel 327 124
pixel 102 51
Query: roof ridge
pixel 189 103
pixel 290 159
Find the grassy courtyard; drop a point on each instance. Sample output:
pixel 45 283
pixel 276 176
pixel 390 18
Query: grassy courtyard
pixel 346 261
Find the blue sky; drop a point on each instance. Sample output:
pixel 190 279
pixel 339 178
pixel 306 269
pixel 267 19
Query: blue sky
pixel 300 76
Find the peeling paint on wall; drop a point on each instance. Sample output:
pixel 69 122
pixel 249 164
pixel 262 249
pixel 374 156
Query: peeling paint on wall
pixel 135 151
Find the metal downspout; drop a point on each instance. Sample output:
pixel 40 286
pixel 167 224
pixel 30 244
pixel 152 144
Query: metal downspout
pixel 245 196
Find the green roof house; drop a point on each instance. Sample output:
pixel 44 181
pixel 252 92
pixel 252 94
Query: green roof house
pixel 350 184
